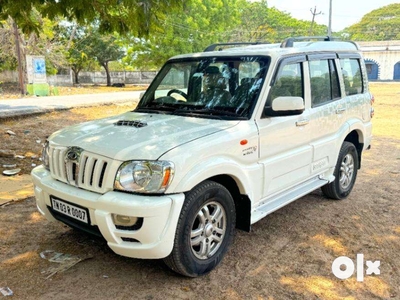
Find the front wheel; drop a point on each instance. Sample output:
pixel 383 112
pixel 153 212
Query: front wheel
pixel 205 230
pixel 345 173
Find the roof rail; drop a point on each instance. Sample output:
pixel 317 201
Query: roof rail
pixel 214 46
pixel 287 43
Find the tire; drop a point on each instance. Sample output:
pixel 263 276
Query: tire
pixel 205 230
pixel 345 173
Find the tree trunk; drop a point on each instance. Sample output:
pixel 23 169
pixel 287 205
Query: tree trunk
pixel 76 75
pixel 105 65
pixel 19 58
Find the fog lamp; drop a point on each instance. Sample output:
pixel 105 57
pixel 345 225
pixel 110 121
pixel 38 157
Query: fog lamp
pixel 126 221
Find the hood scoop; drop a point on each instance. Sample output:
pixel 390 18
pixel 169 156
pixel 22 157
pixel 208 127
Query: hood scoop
pixel 137 124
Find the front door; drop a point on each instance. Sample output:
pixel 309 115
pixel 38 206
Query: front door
pixel 285 150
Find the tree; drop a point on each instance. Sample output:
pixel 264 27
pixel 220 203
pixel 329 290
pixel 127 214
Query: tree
pixel 202 22
pixel 78 59
pixel 379 25
pixel 77 51
pixel 123 16
pixel 46 43
pixel 8 60
pixel 254 22
pixel 104 49
pixel 260 23
pixel 207 22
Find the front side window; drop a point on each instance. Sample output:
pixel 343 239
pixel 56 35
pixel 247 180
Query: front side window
pixel 351 70
pixel 288 83
pixel 324 81
pixel 212 87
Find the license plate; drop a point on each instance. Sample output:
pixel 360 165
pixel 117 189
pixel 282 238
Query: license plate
pixel 70 210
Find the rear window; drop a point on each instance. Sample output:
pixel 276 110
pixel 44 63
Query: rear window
pixel 352 76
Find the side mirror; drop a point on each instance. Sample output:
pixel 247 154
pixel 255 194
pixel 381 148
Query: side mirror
pixel 141 95
pixel 286 106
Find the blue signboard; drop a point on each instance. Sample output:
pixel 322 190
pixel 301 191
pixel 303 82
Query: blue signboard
pixel 39 66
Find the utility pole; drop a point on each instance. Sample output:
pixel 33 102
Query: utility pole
pixel 314 13
pixel 330 19
pixel 19 59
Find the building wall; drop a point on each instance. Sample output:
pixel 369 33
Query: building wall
pixel 136 77
pixel 385 54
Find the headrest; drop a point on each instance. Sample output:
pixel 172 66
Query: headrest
pixel 211 70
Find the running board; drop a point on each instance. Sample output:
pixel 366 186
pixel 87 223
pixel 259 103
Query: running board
pixel 270 205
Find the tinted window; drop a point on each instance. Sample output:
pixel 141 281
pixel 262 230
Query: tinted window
pixel 352 77
pixel 324 81
pixel 289 82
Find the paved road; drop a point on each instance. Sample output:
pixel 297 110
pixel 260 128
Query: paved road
pixel 31 105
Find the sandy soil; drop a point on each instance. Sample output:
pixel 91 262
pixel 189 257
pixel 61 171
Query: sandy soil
pixel 12 91
pixel 287 255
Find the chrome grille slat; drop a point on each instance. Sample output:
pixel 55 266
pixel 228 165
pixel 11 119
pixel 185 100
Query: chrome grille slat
pixel 63 170
pixel 57 164
pixel 97 173
pixel 82 169
pixel 57 167
pixel 53 162
pixel 87 173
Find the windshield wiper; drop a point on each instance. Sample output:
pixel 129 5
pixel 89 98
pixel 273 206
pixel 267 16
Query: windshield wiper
pixel 157 108
pixel 212 112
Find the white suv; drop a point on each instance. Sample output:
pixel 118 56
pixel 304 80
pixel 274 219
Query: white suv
pixel 219 140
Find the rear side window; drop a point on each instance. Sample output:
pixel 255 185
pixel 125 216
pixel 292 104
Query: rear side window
pixel 352 76
pixel 324 81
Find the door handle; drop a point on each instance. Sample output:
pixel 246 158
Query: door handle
pixel 340 110
pixel 302 122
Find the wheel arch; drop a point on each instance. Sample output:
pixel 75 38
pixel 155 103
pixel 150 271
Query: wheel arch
pixel 356 138
pixel 242 202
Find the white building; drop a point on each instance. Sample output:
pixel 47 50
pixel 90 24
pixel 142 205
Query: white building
pixel 382 59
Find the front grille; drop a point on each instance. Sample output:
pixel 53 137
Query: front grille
pixel 87 171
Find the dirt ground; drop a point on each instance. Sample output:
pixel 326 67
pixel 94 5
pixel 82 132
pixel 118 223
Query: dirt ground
pixel 12 91
pixel 287 255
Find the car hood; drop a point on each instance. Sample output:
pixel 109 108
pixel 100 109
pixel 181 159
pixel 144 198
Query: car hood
pixel 137 135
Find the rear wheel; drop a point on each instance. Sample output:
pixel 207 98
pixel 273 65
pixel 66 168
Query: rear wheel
pixel 205 230
pixel 345 173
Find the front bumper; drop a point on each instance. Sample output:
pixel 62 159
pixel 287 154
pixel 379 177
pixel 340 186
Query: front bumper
pixel 154 239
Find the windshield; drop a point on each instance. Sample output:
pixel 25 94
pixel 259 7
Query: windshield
pixel 212 87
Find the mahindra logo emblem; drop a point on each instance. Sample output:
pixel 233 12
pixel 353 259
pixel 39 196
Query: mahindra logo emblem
pixel 71 159
pixel 73 154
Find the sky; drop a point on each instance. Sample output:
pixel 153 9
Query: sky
pixel 344 12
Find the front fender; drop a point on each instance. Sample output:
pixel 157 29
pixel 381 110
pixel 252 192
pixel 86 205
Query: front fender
pixel 247 178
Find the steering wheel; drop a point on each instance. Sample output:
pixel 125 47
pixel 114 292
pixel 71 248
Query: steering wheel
pixel 183 94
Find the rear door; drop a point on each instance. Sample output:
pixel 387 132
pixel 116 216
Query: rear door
pixel 328 110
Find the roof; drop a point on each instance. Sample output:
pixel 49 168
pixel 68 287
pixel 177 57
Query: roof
pixel 277 49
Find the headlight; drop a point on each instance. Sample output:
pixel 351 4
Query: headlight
pixel 45 155
pixel 144 176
